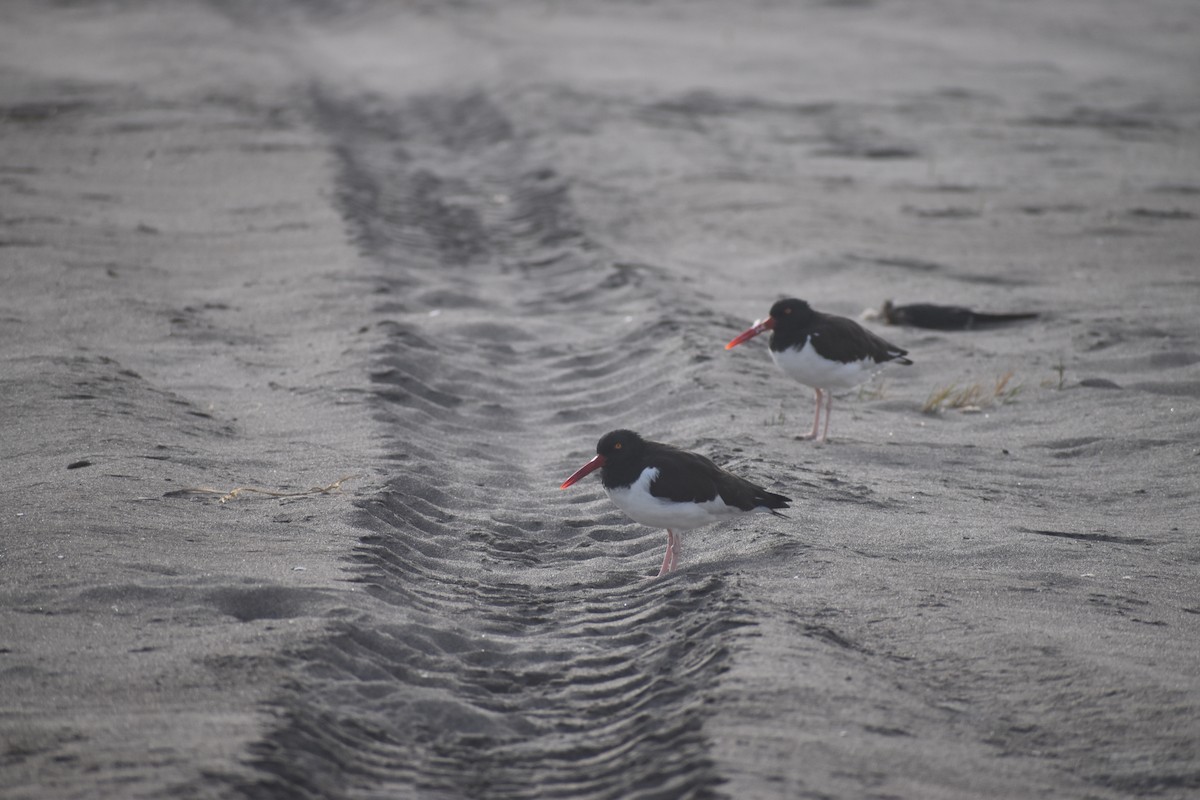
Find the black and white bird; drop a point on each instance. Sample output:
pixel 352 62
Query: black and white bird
pixel 942 318
pixel 823 351
pixel 665 487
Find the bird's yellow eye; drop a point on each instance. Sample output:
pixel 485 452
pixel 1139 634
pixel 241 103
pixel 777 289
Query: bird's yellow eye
pixel 617 446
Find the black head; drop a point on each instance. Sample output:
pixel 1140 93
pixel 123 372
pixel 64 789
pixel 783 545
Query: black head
pixel 790 312
pixel 620 445
pixel 617 453
pixel 789 319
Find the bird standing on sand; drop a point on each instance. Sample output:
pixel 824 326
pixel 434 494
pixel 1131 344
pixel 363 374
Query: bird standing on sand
pixel 822 351
pixel 665 487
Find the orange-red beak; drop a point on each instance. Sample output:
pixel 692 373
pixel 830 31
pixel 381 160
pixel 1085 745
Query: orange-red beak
pixel 587 469
pixel 767 324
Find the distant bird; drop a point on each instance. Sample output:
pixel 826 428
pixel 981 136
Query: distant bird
pixel 940 318
pixel 665 487
pixel 822 351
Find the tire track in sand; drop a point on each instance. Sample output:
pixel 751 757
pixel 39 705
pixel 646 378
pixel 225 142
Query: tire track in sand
pixel 521 653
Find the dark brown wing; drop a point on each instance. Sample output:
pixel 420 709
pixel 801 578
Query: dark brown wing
pixel 844 340
pixel 685 477
pixel 947 318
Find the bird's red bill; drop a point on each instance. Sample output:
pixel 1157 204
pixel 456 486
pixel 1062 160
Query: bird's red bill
pixel 587 469
pixel 767 324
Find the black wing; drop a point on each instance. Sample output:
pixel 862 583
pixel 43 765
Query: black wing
pixel 844 340
pixel 685 477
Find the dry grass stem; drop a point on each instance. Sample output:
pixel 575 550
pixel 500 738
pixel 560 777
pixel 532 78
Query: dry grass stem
pixel 1057 383
pixel 872 391
pixel 226 496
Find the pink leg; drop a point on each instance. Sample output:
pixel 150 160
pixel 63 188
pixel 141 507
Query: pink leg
pixel 828 413
pixel 672 556
pixel 816 418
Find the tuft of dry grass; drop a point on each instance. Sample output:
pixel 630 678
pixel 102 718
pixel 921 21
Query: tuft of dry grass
pixel 226 496
pixel 1003 393
pixel 972 398
pixel 1061 370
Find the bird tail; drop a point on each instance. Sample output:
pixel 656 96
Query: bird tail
pixel 771 501
pixel 996 319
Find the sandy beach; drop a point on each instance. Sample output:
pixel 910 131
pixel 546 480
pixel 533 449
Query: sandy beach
pixel 308 308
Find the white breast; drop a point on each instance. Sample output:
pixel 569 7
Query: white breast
pixel 811 369
pixel 657 512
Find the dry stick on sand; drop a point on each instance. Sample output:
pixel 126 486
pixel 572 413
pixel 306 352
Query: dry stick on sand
pixel 336 486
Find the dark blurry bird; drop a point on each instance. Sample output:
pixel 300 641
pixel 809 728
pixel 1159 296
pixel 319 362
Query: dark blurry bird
pixel 823 351
pixel 941 318
pixel 665 487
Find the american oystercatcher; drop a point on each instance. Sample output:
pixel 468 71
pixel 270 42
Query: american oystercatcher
pixel 665 487
pixel 821 351
pixel 941 318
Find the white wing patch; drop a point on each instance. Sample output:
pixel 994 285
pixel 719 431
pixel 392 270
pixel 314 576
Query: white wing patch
pixel 657 512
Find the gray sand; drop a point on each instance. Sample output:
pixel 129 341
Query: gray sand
pixel 438 249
